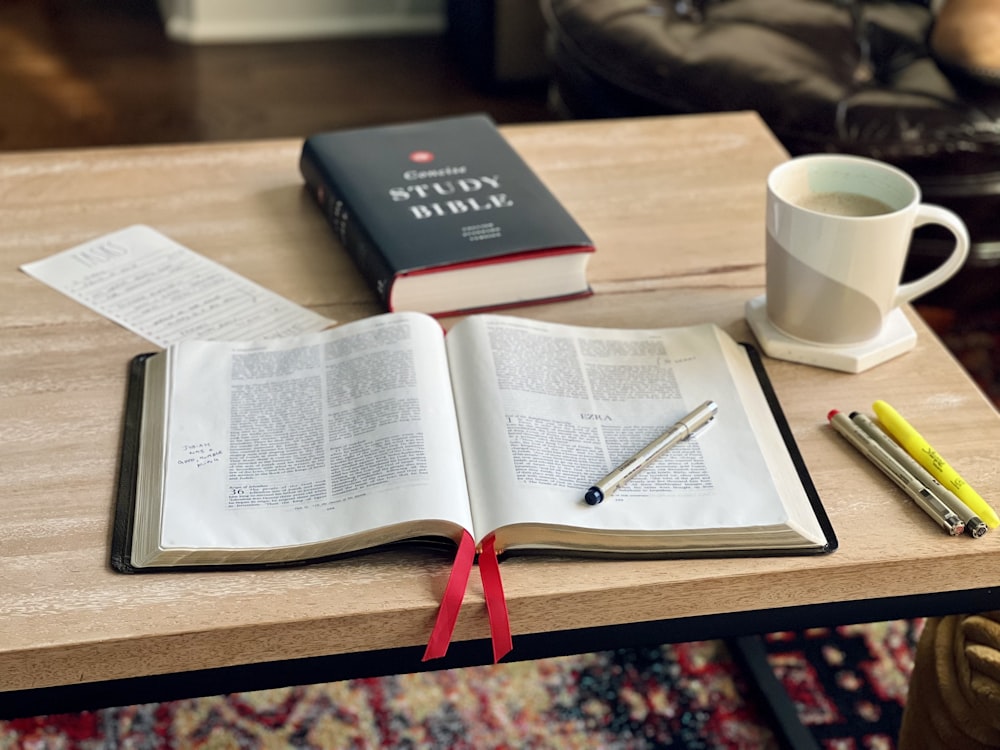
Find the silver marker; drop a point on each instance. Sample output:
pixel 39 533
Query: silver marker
pixel 974 525
pixel 912 486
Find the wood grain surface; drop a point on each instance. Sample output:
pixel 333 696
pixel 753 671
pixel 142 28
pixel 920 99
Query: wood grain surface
pixel 675 207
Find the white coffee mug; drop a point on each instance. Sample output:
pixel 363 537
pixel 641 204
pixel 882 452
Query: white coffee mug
pixel 838 233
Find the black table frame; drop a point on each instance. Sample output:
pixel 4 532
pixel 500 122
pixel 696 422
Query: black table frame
pixel 740 629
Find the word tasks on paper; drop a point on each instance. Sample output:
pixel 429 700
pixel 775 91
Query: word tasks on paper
pixel 165 292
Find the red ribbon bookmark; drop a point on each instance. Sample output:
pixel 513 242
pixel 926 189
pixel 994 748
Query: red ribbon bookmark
pixel 496 602
pixel 454 593
pixel 451 602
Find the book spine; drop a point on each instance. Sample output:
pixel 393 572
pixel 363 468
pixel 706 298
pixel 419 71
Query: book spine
pixel 343 219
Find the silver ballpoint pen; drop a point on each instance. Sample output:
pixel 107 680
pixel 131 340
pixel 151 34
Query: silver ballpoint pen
pixel 681 430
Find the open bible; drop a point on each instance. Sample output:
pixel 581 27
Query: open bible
pixel 385 430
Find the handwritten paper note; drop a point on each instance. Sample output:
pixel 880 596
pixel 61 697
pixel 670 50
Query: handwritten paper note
pixel 166 293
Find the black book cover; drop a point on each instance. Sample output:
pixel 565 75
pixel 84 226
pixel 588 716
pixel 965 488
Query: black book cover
pixel 432 196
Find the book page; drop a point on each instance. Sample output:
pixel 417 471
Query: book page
pixel 323 436
pixel 546 410
pixel 166 293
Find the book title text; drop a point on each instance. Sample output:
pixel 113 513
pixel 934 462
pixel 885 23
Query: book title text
pixel 428 199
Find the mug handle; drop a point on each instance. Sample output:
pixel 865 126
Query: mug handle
pixel 930 214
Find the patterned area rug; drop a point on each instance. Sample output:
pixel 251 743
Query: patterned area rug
pixel 849 685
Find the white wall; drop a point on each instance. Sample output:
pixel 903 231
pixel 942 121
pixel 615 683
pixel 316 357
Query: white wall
pixel 201 21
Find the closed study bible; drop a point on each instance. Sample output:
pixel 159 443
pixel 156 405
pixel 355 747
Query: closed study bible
pixel 385 430
pixel 444 216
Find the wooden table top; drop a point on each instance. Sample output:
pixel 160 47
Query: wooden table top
pixel 675 207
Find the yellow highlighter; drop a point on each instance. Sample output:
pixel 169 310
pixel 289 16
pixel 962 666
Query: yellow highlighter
pixel 914 444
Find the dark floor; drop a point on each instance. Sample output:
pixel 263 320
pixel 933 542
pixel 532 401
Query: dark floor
pixel 102 72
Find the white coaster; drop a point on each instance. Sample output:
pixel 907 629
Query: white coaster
pixel 897 337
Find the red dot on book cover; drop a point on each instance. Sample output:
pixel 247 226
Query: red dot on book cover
pixel 421 157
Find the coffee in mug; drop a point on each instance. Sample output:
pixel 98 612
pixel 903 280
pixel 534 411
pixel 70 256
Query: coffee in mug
pixel 844 204
pixel 838 233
